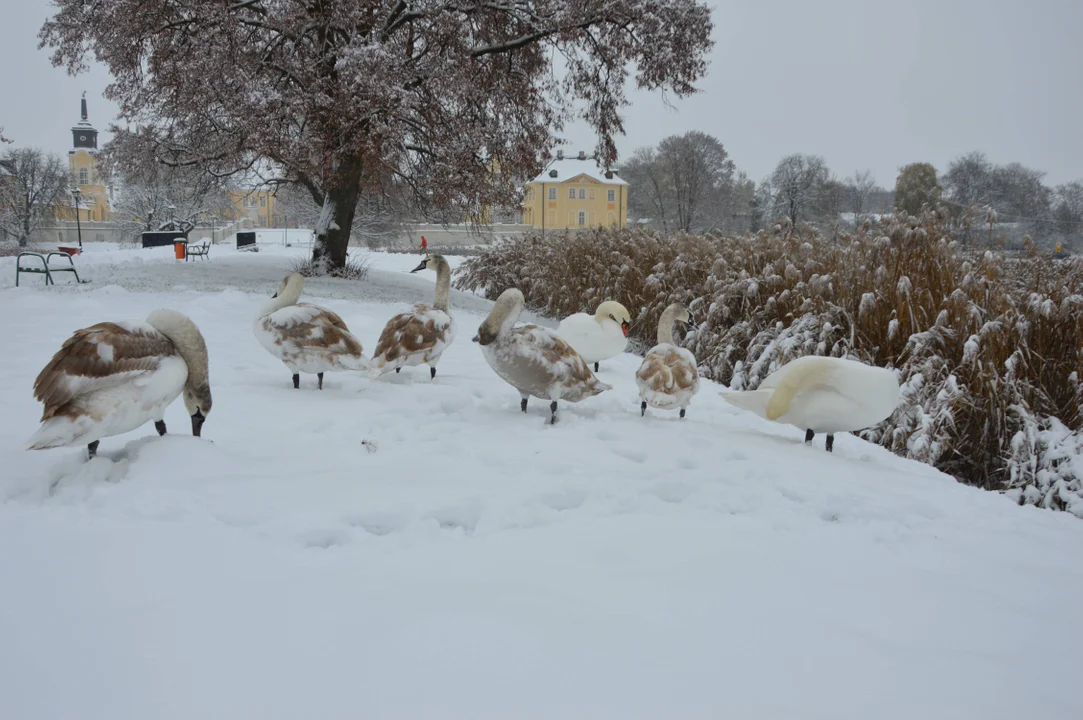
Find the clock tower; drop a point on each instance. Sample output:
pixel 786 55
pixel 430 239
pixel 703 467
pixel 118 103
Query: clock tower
pixel 84 135
pixel 83 164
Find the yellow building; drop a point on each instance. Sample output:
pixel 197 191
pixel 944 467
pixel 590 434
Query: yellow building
pixel 256 204
pixel 574 193
pixel 93 194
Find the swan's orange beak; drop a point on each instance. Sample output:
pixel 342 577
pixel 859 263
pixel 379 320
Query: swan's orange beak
pixel 624 328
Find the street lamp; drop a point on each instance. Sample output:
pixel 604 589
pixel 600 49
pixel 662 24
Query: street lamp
pixel 75 194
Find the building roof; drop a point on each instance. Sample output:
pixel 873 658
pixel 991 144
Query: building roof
pixel 568 167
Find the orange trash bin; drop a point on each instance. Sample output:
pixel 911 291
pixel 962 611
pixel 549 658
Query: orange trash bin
pixel 178 249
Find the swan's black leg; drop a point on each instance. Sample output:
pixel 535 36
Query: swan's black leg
pixel 595 367
pixel 522 405
pixel 642 408
pixel 296 381
pixel 398 369
pixel 553 411
pixel 830 443
pixel 159 425
pixel 92 448
pixel 808 437
pixel 432 373
pixel 319 379
pixel 682 413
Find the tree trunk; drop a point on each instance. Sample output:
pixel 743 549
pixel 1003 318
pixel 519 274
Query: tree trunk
pixel 336 219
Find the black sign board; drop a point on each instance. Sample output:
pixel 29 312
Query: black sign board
pixel 163 238
pixel 246 238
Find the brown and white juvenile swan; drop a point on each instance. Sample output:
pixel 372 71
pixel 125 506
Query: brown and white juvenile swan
pixel 307 338
pixel 421 335
pixel 532 359
pixel 110 378
pixel 667 378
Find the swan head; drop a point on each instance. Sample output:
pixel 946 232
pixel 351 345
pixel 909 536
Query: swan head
pixel 186 337
pixel 613 310
pixel 431 261
pixel 197 400
pixel 293 281
pixel 502 317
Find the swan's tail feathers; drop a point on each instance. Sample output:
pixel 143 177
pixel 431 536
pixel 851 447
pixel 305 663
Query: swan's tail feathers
pixel 598 387
pixel 53 433
pixel 755 401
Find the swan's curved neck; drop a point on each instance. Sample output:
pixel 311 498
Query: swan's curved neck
pixel 443 286
pixel 189 342
pixel 665 326
pixel 287 297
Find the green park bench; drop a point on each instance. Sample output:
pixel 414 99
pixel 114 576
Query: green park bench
pixel 44 269
pixel 199 250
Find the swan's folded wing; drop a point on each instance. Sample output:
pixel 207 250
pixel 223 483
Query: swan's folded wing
pixel 313 328
pixel 99 357
pixel 412 332
pixel 547 348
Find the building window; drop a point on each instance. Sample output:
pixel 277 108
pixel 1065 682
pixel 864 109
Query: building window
pixel 571 193
pixel 84 176
pixel 612 195
pixel 582 193
pixel 263 201
pixel 582 217
pixel 552 193
pixel 249 201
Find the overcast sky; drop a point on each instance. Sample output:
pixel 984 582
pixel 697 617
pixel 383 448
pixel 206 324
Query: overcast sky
pixel 865 84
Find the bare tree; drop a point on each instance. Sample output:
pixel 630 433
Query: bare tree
pixel 338 93
pixel 154 197
pixel 34 184
pixel 797 182
pixel 1068 213
pixel 3 139
pixel 860 187
pixel 969 181
pixel 687 183
pixel 915 187
pixel 648 196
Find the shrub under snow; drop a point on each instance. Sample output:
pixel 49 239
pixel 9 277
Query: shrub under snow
pixel 989 348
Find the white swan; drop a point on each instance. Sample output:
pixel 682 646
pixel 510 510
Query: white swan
pixel 307 338
pixel 110 378
pixel 532 359
pixel 823 394
pixel 421 335
pixel 599 336
pixel 667 378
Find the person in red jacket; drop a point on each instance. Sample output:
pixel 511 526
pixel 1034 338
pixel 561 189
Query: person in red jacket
pixel 424 243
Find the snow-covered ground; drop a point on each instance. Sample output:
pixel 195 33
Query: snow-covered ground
pixel 400 548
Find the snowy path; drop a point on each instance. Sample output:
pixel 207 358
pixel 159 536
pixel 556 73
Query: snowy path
pixel 481 564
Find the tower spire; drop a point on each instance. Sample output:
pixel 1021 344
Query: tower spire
pixel 83 103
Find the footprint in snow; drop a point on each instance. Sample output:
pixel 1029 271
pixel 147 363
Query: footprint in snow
pixel 567 499
pixel 324 539
pixel 635 456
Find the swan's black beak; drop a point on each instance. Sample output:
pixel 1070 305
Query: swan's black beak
pixel 420 267
pixel 274 296
pixel 197 422
pixel 476 339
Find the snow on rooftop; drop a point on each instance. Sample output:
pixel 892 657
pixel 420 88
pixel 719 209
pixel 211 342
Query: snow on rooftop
pixel 568 167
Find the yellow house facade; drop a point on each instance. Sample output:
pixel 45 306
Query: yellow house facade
pixel 93 193
pixel 574 193
pixel 258 205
